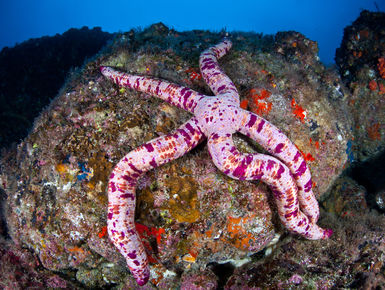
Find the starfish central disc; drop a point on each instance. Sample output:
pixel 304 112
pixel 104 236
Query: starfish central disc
pixel 218 114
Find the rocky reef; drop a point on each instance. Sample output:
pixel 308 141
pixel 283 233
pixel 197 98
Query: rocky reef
pixel 33 72
pixel 361 63
pixel 201 229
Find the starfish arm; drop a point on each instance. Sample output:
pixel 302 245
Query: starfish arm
pixel 122 185
pixel 174 94
pixel 277 143
pixel 213 75
pixel 272 172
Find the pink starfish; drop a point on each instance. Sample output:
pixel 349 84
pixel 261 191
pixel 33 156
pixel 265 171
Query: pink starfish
pixel 215 118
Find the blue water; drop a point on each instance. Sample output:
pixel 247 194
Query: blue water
pixel 322 21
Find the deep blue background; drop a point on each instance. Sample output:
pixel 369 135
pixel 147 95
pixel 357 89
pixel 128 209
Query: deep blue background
pixel 321 20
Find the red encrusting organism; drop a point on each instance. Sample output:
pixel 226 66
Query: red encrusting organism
pixel 381 67
pixel 262 106
pixel 298 111
pixel 373 85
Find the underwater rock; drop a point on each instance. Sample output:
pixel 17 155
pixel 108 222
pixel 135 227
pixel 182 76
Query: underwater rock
pixel 20 269
pixel 361 62
pixel 346 198
pixel 352 259
pixel 189 214
pixel 370 174
pixel 33 71
pixel 294 91
pixel 199 280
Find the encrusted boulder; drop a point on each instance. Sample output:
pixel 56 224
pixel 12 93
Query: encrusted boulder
pixel 361 62
pixel 189 214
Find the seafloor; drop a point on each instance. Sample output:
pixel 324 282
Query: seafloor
pixel 201 229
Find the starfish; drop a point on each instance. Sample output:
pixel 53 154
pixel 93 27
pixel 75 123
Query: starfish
pixel 215 118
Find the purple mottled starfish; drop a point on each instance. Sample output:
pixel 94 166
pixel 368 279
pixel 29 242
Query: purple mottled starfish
pixel 215 118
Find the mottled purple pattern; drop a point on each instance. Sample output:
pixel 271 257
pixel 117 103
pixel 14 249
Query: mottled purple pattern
pixel 278 148
pixel 127 178
pixel 149 147
pixel 301 170
pixel 184 134
pixel 218 118
pixel 221 88
pixel 128 195
pixel 186 96
pixel 280 171
pixel 132 255
pixel 132 166
pixel 252 120
pixel 270 165
pixel 240 171
pixel 260 126
pixel 308 186
pixel 190 128
pixel 112 186
pixel 293 213
pixel 297 156
pixel 153 163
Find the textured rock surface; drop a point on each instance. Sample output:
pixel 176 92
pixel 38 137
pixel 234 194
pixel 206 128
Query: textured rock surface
pixel 189 214
pixel 361 62
pixel 20 269
pixel 352 259
pixel 33 72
